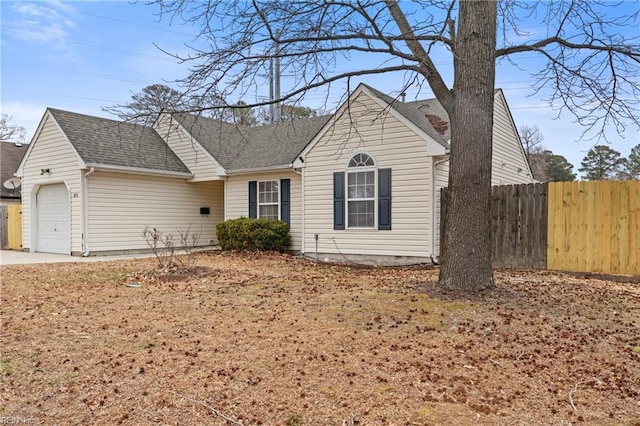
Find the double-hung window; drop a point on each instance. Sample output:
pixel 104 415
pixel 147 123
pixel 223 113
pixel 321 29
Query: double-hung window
pixel 362 195
pixel 361 192
pixel 268 199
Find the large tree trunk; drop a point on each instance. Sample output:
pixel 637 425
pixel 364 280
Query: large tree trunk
pixel 466 238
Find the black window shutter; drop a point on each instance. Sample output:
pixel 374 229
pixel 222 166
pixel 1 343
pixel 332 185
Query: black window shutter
pixel 285 200
pixel 253 199
pixel 384 199
pixel 338 200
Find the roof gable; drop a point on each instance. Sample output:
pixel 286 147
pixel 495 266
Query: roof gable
pixel 413 114
pixel 100 141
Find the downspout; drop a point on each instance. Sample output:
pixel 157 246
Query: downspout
pixel 434 228
pixel 85 205
pixel 224 199
pixel 302 207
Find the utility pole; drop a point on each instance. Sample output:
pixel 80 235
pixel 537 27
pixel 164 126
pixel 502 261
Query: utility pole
pixel 275 110
pixel 276 83
pixel 272 107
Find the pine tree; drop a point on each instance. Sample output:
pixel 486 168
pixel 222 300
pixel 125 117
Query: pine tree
pixel 601 163
pixel 631 167
pixel 559 169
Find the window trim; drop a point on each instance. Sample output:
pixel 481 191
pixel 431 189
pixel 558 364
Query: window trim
pixel 358 169
pixel 258 203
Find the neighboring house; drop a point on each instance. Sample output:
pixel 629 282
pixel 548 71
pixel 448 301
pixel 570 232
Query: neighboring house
pixel 10 156
pixel 361 185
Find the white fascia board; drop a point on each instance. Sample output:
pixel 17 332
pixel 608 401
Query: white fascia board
pixel 436 149
pixel 137 171
pixel 259 170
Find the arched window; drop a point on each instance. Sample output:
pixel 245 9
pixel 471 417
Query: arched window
pixel 361 192
pixel 361 160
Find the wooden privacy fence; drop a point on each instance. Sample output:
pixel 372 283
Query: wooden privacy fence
pixel 11 227
pixel 589 226
pixel 594 227
pixel 518 226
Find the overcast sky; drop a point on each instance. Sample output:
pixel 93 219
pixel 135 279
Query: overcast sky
pixel 82 56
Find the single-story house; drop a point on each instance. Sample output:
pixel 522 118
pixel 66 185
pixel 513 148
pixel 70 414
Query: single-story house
pixel 361 184
pixel 11 154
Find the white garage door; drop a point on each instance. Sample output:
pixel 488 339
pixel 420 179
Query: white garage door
pixel 52 210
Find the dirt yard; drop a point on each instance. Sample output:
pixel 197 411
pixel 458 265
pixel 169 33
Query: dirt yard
pixel 271 340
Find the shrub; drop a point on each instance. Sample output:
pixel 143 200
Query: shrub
pixel 253 235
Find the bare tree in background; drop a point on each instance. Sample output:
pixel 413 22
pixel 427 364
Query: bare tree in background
pixel 531 137
pixel 287 113
pixel 536 153
pixel 146 105
pixel 10 131
pixel 590 69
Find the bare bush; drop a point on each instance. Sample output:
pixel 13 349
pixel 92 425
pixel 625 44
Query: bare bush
pixel 189 242
pixel 164 246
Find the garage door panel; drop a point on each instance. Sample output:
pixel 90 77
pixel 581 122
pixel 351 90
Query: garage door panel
pixel 53 227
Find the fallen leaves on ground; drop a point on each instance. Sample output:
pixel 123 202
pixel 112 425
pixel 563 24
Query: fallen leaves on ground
pixel 274 340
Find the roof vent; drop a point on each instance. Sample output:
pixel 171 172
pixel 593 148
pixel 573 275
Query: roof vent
pixel 18 144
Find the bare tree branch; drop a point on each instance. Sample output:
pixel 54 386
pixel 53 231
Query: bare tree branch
pixel 10 131
pixel 427 67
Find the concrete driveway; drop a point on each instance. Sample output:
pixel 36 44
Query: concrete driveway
pixel 10 257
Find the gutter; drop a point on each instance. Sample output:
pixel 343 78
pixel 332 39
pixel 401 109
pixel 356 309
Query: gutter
pixel 139 171
pixel 259 169
pixel 85 207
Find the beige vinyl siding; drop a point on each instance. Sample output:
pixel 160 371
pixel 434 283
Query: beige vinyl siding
pixel 509 163
pixel 188 150
pixel 442 180
pixel 121 205
pixel 366 128
pixel 237 200
pixel 51 150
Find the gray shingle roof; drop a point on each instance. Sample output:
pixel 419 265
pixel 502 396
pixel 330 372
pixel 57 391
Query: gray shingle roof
pixel 10 157
pixel 114 143
pixel 423 114
pixel 238 147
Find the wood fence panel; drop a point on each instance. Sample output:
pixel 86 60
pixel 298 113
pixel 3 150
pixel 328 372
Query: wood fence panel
pixel 593 227
pixel 536 254
pixel 555 218
pixel 519 226
pixel 589 228
pixel 625 254
pixel 14 227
